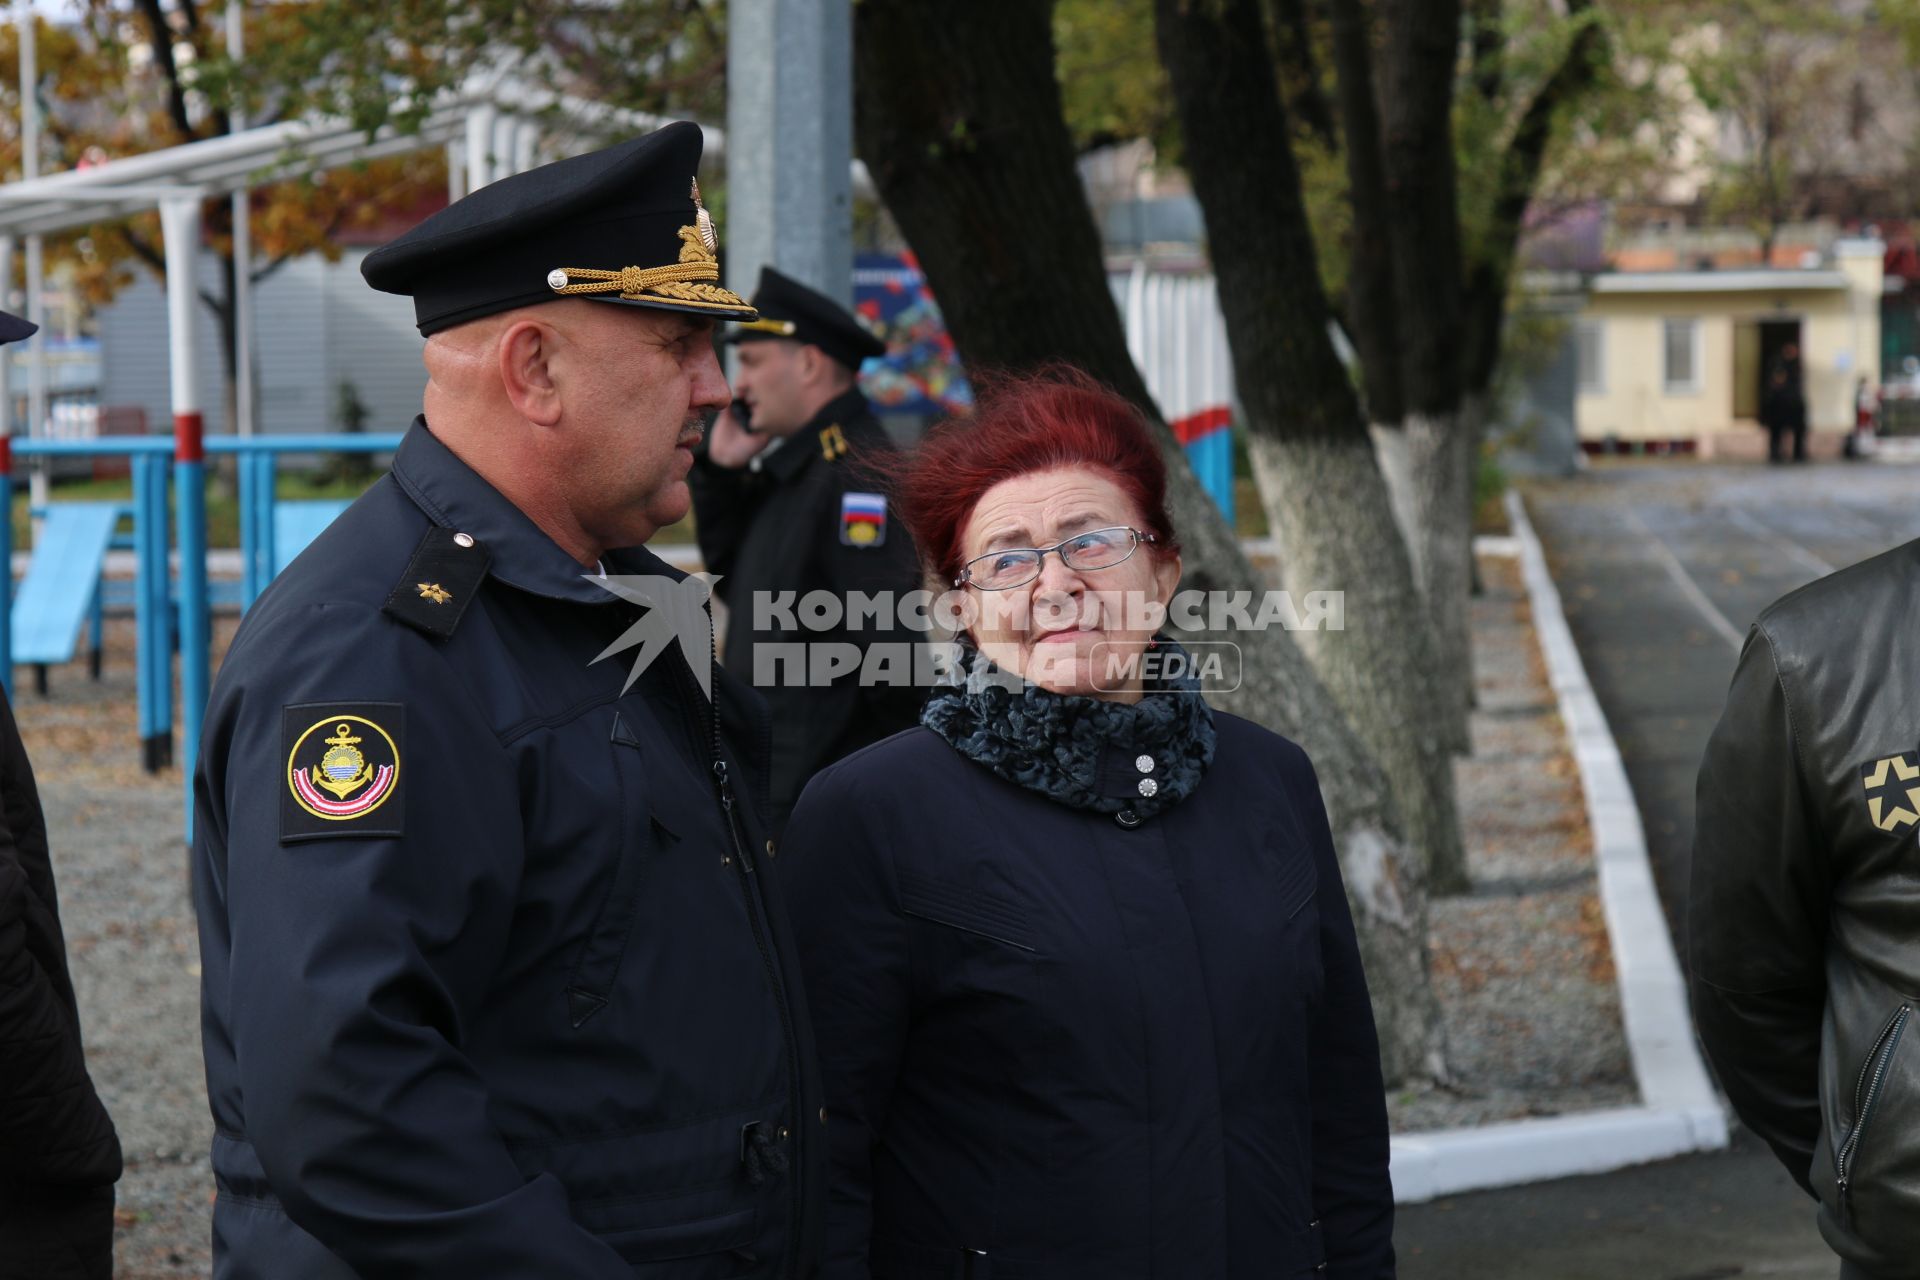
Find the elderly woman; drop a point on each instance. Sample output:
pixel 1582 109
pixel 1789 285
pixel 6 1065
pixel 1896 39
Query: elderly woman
pixel 1086 990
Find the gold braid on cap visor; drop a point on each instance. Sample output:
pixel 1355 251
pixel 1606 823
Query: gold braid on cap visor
pixel 686 282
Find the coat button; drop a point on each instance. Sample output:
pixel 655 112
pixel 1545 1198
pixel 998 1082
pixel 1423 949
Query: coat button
pixel 1148 786
pixel 726 859
pixel 1143 763
pixel 823 1115
pixel 770 848
pixel 1127 818
pixel 784 1135
pixel 462 539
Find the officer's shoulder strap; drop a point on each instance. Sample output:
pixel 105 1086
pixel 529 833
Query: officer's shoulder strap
pixel 833 442
pixel 441 580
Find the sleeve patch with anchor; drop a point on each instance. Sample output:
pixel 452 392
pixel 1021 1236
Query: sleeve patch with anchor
pixel 342 770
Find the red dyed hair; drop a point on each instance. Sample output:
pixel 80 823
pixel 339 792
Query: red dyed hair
pixel 1058 417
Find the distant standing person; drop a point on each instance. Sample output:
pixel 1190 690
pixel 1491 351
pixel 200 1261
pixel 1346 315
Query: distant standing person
pixel 1787 361
pixel 1783 412
pixel 59 1156
pixel 1866 418
pixel 787 503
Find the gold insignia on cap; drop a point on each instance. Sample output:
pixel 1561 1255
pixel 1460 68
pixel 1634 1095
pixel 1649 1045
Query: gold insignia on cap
pixel 783 328
pixel 687 283
pixel 435 592
pixel 704 220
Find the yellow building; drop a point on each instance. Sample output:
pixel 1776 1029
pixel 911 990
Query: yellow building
pixel 1674 360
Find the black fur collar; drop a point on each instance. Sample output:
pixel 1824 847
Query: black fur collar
pixel 1128 759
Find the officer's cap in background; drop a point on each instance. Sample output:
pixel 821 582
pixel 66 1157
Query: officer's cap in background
pixel 14 329
pixel 788 309
pixel 620 225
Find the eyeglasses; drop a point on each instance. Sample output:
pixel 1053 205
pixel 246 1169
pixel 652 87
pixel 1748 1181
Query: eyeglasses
pixel 1017 566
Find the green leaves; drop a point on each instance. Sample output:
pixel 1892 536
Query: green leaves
pixel 1112 86
pixel 385 64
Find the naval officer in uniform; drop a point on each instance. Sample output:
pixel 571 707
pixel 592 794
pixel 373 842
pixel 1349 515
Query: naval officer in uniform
pixel 497 980
pixel 789 500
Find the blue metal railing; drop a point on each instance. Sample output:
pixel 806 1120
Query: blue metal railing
pixel 258 457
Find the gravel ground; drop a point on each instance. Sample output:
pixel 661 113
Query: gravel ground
pixel 1522 963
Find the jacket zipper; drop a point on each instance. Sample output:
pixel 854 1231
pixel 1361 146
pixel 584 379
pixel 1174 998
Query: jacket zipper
pixel 723 785
pixel 1866 1092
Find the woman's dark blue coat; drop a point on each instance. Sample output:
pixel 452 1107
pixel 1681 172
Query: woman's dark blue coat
pixel 1084 1051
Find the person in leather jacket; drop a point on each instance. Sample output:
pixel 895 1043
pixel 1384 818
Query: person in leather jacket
pixel 1804 911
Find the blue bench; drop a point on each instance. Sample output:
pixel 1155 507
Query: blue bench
pixel 62 588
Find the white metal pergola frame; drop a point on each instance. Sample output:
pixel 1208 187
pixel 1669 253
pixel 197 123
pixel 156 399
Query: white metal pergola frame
pixel 490 131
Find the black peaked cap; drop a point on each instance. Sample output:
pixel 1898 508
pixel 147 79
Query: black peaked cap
pixel 623 225
pixel 14 329
pixel 789 309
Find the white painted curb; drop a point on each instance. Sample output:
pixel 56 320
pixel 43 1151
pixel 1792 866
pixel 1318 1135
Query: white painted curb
pixel 1448 1161
pixel 1681 1111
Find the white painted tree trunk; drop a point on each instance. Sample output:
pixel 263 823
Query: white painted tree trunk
pixel 1329 502
pixel 1385 873
pixel 1396 468
pixel 1442 451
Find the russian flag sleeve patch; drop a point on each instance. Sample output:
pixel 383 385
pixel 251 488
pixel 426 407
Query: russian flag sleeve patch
pixel 863 519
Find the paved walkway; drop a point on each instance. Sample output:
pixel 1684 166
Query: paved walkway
pixel 1661 567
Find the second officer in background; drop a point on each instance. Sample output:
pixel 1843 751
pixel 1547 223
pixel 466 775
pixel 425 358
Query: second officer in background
pixel 790 502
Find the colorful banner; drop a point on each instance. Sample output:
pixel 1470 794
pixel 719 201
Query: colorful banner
pixel 920 372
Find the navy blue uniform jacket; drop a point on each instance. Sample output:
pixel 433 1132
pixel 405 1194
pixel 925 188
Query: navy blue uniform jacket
pixel 786 528
pixel 1085 1051
pixel 527 1009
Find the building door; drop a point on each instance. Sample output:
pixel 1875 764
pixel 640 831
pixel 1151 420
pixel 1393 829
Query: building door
pixel 1759 347
pixel 1780 347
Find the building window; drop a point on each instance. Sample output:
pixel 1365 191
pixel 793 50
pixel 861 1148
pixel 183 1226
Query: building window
pixel 1590 339
pixel 1681 356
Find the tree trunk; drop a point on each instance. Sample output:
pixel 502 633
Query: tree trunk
pixel 1299 70
pixel 1370 301
pixel 1324 494
pixel 957 114
pixel 1371 318
pixel 1415 92
pixel 1489 275
pixel 1442 457
pixel 1395 459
